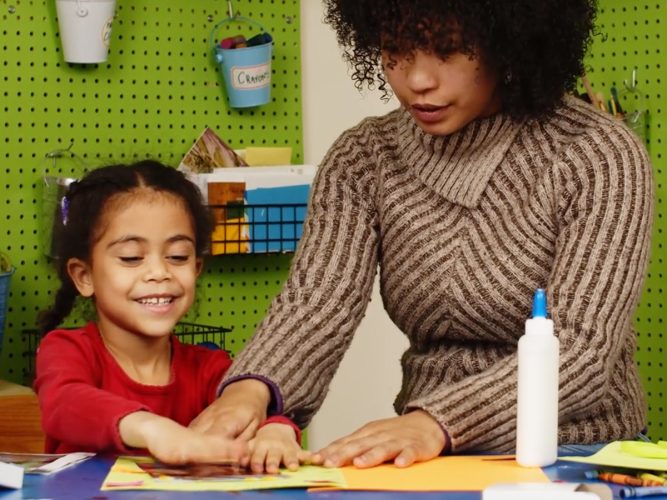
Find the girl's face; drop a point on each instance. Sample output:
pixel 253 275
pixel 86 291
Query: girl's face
pixel 143 266
pixel 443 96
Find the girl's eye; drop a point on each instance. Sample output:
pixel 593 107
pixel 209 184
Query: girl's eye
pixel 131 260
pixel 179 258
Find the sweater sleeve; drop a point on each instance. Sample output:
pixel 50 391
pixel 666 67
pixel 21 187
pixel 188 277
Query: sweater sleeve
pixel 602 199
pixel 310 324
pixel 74 410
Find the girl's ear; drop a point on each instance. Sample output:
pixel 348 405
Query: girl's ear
pixel 199 265
pixel 81 276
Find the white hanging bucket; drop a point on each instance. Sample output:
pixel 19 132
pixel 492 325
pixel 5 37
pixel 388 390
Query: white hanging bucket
pixel 85 29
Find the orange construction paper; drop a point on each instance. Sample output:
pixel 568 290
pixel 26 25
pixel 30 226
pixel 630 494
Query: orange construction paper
pixel 453 473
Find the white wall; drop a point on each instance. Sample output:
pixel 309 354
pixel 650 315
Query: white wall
pixel 369 376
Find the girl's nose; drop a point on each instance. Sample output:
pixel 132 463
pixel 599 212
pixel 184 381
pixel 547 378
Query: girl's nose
pixel 157 269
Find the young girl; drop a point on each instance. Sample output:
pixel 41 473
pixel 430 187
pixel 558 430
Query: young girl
pixel 132 239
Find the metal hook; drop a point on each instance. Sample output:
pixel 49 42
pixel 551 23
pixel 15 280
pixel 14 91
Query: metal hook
pixel 230 9
pixel 57 153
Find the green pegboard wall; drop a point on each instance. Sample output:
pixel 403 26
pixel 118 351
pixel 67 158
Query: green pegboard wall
pixel 632 36
pixel 155 94
pixel 159 89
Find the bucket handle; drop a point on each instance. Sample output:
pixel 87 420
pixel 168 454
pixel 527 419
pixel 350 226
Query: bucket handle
pixel 232 18
pixel 57 154
pixel 81 11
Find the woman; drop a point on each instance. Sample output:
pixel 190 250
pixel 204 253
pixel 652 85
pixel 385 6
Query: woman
pixel 488 183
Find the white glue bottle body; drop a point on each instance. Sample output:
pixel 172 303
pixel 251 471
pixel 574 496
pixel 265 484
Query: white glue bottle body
pixel 537 394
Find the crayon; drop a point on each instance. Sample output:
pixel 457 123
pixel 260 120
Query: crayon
pixel 650 491
pixel 261 39
pixel 618 478
pixel 625 479
pixel 652 478
pixel 232 42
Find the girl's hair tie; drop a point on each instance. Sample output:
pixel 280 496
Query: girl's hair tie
pixel 64 209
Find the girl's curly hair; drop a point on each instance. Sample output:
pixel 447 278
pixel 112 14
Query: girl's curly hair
pixel 536 48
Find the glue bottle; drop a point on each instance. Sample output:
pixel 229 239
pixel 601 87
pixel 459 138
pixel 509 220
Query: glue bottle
pixel 537 394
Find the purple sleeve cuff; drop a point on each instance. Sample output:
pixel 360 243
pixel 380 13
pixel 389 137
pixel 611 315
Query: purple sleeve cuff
pixel 447 449
pixel 276 403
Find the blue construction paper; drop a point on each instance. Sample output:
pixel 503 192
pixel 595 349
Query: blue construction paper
pixel 275 228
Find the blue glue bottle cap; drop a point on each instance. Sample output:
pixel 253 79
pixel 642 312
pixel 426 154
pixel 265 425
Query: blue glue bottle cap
pixel 540 303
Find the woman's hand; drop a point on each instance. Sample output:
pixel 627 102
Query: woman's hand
pixel 171 443
pixel 413 437
pixel 238 411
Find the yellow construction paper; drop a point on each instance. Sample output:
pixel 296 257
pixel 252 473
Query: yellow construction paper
pixel 125 474
pixel 453 473
pixel 614 455
pixel 231 236
pixel 265 156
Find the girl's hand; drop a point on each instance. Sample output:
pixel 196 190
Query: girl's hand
pixel 273 446
pixel 413 437
pixel 172 443
pixel 238 411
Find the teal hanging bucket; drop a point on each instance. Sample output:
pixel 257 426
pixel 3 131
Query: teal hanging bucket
pixel 246 71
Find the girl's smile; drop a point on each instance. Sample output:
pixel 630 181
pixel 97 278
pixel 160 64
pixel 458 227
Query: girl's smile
pixel 143 266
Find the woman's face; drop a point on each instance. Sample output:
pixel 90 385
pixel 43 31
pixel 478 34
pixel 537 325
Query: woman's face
pixel 443 96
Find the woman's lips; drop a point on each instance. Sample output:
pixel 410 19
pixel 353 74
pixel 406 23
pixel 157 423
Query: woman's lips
pixel 427 113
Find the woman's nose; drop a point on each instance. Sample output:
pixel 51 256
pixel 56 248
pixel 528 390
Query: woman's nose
pixel 420 73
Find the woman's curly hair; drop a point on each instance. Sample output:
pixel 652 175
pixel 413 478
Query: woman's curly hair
pixel 536 48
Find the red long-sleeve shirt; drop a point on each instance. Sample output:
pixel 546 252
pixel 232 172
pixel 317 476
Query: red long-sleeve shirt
pixel 83 392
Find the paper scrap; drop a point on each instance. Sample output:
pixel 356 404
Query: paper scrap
pixel 452 473
pixel 127 474
pixel 613 455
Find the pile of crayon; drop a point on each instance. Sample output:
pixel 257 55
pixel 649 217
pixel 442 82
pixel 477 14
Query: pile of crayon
pixel 643 484
pixel 240 42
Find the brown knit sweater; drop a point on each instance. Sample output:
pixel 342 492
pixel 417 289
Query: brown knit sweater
pixel 464 228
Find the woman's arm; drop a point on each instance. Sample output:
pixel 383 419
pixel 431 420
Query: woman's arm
pixel 310 324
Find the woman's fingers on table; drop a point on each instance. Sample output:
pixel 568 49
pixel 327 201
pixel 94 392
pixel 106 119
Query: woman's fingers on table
pixel 406 439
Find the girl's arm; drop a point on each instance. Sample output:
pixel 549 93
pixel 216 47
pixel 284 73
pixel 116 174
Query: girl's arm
pixel 173 443
pixel 76 414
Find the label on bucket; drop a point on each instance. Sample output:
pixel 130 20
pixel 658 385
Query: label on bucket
pixel 251 77
pixel 106 32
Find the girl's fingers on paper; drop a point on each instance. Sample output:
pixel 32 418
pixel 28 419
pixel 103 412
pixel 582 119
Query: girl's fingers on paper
pixel 291 458
pixel 273 459
pixel 258 459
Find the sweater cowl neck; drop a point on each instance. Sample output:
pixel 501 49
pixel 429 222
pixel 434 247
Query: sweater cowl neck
pixel 457 166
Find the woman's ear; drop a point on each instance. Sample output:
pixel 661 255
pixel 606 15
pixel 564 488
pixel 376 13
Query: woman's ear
pixel 80 274
pixel 199 265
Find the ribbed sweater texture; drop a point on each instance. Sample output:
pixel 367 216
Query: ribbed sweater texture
pixel 464 228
